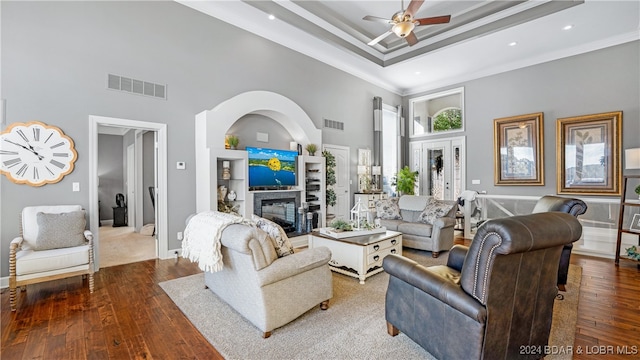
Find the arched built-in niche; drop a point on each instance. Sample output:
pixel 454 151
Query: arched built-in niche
pixel 290 115
pixel 212 126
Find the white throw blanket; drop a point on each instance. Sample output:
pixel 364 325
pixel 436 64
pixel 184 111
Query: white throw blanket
pixel 202 235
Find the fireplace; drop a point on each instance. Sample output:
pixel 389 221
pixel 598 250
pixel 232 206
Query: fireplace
pixel 280 207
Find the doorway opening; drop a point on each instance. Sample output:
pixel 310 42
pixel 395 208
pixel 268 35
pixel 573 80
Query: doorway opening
pixel 127 190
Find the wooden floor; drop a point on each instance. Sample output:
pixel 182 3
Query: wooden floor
pixel 130 316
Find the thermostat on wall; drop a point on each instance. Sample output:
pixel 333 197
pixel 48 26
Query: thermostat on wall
pixel 181 165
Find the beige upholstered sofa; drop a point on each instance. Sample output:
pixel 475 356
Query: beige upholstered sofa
pixel 269 291
pixel 436 236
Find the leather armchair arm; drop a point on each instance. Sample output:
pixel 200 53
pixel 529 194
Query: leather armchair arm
pixel 456 257
pixel 443 289
pixel 297 263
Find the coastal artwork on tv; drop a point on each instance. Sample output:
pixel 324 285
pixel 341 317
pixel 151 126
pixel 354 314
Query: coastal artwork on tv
pixel 271 167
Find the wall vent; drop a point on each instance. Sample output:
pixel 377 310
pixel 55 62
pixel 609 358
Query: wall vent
pixel 117 82
pixel 332 124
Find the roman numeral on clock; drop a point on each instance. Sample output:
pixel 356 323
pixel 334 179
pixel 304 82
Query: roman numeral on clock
pixel 35 173
pixel 61 154
pixel 36 134
pixel 48 137
pixel 7 152
pixel 57 163
pixel 22 135
pixel 57 145
pixel 22 170
pixel 12 162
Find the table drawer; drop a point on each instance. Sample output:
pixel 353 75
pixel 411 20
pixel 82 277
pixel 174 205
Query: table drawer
pixel 379 246
pixel 377 257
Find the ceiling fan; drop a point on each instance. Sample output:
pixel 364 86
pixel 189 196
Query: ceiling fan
pixel 404 23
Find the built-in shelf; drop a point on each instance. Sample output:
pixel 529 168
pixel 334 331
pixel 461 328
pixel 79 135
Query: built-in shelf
pixel 312 178
pixel 625 203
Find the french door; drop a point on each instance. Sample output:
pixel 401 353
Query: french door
pixel 440 166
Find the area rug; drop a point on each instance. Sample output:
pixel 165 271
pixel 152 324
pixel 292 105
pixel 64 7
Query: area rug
pixel 352 328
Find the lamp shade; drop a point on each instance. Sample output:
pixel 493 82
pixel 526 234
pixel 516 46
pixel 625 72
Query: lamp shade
pixel 376 170
pixel 362 169
pixel 632 158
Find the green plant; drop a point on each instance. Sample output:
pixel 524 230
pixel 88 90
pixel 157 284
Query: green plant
pixel 448 120
pixel 340 224
pixel 330 169
pixel 233 140
pixel 632 253
pixel 311 148
pixel 637 190
pixel 405 181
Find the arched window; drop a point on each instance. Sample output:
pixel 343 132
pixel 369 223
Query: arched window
pixel 447 119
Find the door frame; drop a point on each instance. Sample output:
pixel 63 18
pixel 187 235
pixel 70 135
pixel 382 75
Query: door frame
pixel 347 171
pixel 417 159
pixel 161 178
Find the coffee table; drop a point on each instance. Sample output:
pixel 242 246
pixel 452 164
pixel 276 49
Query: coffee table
pixel 359 256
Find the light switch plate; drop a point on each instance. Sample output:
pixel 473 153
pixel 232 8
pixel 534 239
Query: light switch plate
pixel 76 186
pixel 475 182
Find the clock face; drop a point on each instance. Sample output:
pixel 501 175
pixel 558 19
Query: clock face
pixel 35 153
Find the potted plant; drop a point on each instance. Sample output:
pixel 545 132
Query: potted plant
pixel 233 141
pixel 311 148
pixel 637 190
pixel 405 181
pixel 330 179
pixel 340 225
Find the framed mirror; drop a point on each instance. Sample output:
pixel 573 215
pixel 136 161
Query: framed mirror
pixel 437 113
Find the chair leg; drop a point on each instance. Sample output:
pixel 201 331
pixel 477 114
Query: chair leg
pixel 12 298
pixel 266 334
pixel 324 305
pixel 434 254
pixel 91 283
pixel 392 330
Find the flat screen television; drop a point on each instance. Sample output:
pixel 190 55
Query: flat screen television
pixel 271 169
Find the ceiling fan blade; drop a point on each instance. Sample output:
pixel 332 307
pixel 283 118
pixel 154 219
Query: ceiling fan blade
pixel 434 20
pixel 413 7
pixel 411 39
pixel 377 19
pixel 379 38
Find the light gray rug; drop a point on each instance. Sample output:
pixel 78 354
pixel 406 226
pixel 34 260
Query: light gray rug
pixel 352 328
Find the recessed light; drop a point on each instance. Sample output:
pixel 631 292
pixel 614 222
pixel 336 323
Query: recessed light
pixel 271 17
pixel 418 73
pixel 513 43
pixel 568 27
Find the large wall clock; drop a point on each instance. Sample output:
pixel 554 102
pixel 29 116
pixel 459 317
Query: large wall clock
pixel 35 153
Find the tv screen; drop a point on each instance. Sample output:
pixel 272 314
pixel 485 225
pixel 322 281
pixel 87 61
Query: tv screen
pixel 271 168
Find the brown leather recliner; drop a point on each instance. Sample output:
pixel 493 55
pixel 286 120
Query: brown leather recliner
pixel 491 299
pixel 571 206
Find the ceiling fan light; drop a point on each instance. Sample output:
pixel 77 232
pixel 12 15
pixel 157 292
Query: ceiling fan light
pixel 404 28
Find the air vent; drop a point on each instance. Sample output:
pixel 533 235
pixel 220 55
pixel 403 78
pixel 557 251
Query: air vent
pixel 116 82
pixel 332 124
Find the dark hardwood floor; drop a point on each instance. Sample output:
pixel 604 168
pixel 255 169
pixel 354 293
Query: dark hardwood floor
pixel 130 316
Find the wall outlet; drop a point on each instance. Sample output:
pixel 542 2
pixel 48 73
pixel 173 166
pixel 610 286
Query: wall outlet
pixel 181 165
pixel 179 235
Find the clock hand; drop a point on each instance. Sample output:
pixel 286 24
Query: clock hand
pixel 40 157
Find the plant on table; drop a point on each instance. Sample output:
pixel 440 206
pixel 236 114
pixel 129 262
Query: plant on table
pixel 405 181
pixel 341 225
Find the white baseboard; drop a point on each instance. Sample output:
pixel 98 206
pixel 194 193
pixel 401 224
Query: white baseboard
pixel 172 253
pixel 4 282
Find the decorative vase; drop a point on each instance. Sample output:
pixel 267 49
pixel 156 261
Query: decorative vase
pixel 226 174
pixel 232 195
pixel 222 192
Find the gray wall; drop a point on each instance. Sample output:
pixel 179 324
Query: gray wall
pixel 110 173
pixel 55 61
pixel 596 82
pixel 148 177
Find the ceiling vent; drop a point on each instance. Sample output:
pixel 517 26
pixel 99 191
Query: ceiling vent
pixel 121 83
pixel 332 124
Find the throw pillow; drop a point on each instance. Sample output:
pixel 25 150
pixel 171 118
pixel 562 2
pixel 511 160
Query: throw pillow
pixel 63 230
pixel 434 210
pixel 388 209
pixel 276 233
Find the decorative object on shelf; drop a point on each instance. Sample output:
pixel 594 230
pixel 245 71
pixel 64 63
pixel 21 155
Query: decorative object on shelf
pixel 635 223
pixel 232 195
pixel 222 192
pixel 226 174
pixel 309 222
pixel 518 150
pixel 637 191
pixel 233 141
pixel 311 148
pixel 35 153
pixel 227 207
pixel 376 172
pixel 632 253
pixel 300 223
pixel 364 179
pixel 405 181
pixel 588 151
pixel 360 216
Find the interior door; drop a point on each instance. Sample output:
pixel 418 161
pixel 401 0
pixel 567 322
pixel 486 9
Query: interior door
pixel 441 169
pixel 343 196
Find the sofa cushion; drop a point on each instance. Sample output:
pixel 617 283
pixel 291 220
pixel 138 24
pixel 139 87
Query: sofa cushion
pixel 57 231
pixel 391 224
pixel 388 209
pixel 434 210
pixel 413 202
pixel 418 229
pixel 276 233
pixel 32 262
